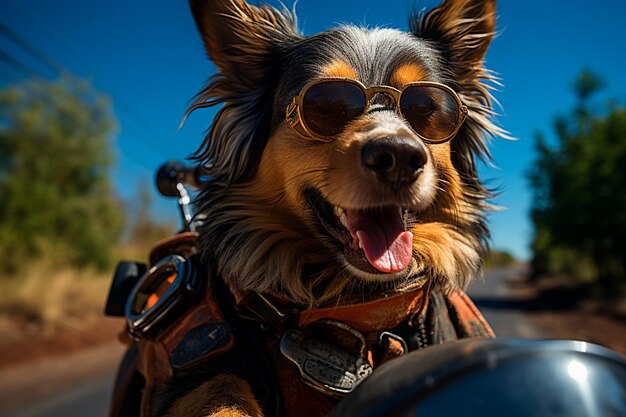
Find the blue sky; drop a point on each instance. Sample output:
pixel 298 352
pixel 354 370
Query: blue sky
pixel 148 57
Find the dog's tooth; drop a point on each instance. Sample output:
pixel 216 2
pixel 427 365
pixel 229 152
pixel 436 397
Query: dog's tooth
pixel 341 215
pixel 344 219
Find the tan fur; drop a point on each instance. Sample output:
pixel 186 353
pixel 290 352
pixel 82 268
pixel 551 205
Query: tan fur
pixel 407 73
pixel 339 69
pixel 223 396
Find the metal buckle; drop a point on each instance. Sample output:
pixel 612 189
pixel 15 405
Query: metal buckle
pixel 323 365
pixel 257 307
pixel 384 338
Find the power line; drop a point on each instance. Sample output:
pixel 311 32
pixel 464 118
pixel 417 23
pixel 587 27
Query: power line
pixel 7 74
pixel 16 65
pixel 129 112
pixel 37 53
pixel 13 63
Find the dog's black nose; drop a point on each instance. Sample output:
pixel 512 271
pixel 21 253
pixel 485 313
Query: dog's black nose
pixel 397 161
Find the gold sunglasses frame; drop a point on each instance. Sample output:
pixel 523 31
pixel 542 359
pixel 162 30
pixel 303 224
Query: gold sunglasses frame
pixel 293 112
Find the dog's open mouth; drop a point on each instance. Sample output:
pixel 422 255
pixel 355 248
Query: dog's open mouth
pixel 373 240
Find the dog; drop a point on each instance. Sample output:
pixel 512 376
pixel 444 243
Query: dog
pixel 343 171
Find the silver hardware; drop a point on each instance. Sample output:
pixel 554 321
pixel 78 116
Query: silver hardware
pixel 324 366
pixel 183 202
pixel 384 337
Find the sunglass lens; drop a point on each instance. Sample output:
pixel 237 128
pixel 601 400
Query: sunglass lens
pixel 432 112
pixel 329 106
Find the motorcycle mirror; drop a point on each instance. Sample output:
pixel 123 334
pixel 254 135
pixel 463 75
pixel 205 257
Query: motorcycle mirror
pixel 172 173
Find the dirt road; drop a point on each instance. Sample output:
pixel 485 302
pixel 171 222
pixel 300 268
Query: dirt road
pixel 80 385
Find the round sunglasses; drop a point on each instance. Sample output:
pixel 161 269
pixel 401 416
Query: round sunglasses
pixel 326 106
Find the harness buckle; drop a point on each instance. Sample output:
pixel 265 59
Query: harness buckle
pixel 387 339
pixel 393 346
pixel 324 366
pixel 255 306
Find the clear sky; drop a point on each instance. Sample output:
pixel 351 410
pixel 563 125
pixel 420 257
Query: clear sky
pixel 148 57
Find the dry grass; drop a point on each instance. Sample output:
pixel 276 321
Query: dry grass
pixel 45 298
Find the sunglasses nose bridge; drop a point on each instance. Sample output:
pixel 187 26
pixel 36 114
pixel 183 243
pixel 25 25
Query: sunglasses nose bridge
pixel 382 98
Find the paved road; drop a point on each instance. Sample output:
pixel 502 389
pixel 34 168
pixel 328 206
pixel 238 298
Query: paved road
pixel 498 302
pixel 89 399
pixel 73 386
pixel 89 395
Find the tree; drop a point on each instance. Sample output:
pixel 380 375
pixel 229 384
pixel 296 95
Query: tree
pixel 55 155
pixel 143 230
pixel 579 185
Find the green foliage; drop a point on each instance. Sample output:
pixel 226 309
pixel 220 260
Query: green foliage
pixel 586 84
pixel 142 229
pixel 55 155
pixel 579 184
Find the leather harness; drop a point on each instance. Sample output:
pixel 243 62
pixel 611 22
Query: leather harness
pixel 298 362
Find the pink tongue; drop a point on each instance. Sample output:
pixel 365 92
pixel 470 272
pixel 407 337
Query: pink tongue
pixel 387 246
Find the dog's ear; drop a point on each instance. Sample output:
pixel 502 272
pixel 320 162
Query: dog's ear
pixel 463 30
pixel 239 36
pixel 245 42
